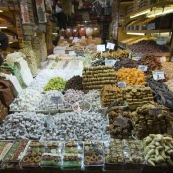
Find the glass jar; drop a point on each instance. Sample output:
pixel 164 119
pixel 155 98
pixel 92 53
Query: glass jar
pixel 82 30
pixel 89 30
pixel 62 33
pixel 75 32
pixel 96 30
pixel 68 32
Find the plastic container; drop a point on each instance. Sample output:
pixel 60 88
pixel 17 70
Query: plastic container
pixel 73 154
pixel 89 30
pixel 96 30
pixel 82 31
pixel 62 33
pixel 75 32
pixel 68 32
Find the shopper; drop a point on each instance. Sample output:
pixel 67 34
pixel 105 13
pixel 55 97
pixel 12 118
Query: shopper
pixel 4 45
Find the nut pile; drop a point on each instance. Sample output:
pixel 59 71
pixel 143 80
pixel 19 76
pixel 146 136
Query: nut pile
pixel 131 76
pixel 74 126
pixel 167 67
pixel 158 149
pixel 74 83
pixel 116 131
pixel 169 84
pixel 98 77
pixel 97 62
pixel 148 46
pixel 113 152
pixel 150 61
pixel 133 151
pixel 109 93
pixel 28 99
pixel 125 62
pixel 137 95
pixel 145 124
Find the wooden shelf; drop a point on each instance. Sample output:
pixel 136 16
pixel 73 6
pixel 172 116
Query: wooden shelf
pixel 8 9
pixel 126 3
pixel 14 40
pixel 148 31
pixel 161 4
pixel 6 25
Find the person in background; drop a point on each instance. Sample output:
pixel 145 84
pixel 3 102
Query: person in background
pixel 4 44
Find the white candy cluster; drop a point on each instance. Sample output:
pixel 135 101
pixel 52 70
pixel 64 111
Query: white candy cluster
pixel 44 76
pixel 73 126
pixel 93 97
pixel 24 125
pixel 27 100
pixel 47 99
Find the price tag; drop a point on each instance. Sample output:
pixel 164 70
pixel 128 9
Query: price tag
pixel 110 46
pixel 151 26
pixel 61 37
pixel 56 100
pixel 100 48
pixel 121 84
pixel 90 37
pixel 158 75
pixel 71 38
pixel 155 111
pixel 143 67
pixel 137 58
pixel 110 62
pixel 83 37
pixel 50 107
pixel 170 130
pixel 161 40
pixel 71 53
pixel 121 122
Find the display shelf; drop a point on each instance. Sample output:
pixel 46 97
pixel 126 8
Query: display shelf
pixel 161 4
pixel 13 40
pixel 148 31
pixel 156 54
pixel 6 25
pixel 126 3
pixel 4 9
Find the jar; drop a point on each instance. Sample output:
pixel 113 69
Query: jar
pixel 75 32
pixel 68 32
pixel 82 30
pixel 96 30
pixel 89 30
pixel 62 33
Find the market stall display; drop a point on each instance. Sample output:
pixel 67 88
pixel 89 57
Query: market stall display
pixel 167 67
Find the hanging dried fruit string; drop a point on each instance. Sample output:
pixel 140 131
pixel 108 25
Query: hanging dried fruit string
pixel 66 6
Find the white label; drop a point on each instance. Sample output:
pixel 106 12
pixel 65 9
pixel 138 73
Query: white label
pixel 110 46
pixel 90 37
pixel 100 48
pixel 61 37
pixel 143 67
pixel 151 26
pixel 71 53
pixel 71 38
pixel 137 58
pixel 16 84
pixel 161 40
pixel 110 62
pixel 170 130
pixel 121 84
pixel 158 75
pixel 121 122
pixel 83 37
pixel 155 111
pixel 56 99
pixel 51 107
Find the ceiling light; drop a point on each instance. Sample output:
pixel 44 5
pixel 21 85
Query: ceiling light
pixel 134 33
pixel 3 27
pixel 160 13
pixel 139 14
pixel 1 11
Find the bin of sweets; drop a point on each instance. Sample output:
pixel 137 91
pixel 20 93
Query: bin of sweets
pixel 89 30
pixel 68 32
pixel 52 156
pixel 15 154
pixel 33 155
pixel 73 153
pixel 75 32
pixel 82 30
pixel 96 30
pixel 93 153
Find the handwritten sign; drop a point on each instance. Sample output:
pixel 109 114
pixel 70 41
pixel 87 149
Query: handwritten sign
pixel 158 75
pixel 155 111
pixel 101 48
pixel 110 62
pixel 110 46
pixel 151 26
pixel 121 84
pixel 143 67
pixel 56 99
pixel 161 40
pixel 71 53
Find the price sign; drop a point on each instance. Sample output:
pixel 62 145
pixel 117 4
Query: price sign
pixel 110 62
pixel 158 75
pixel 170 130
pixel 143 67
pixel 151 26
pixel 155 111
pixel 137 58
pixel 121 84
pixel 161 40
pixel 61 37
pixel 71 38
pixel 83 37
pixel 121 122
pixel 50 107
pixel 101 48
pixel 56 100
pixel 71 53
pixel 110 46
